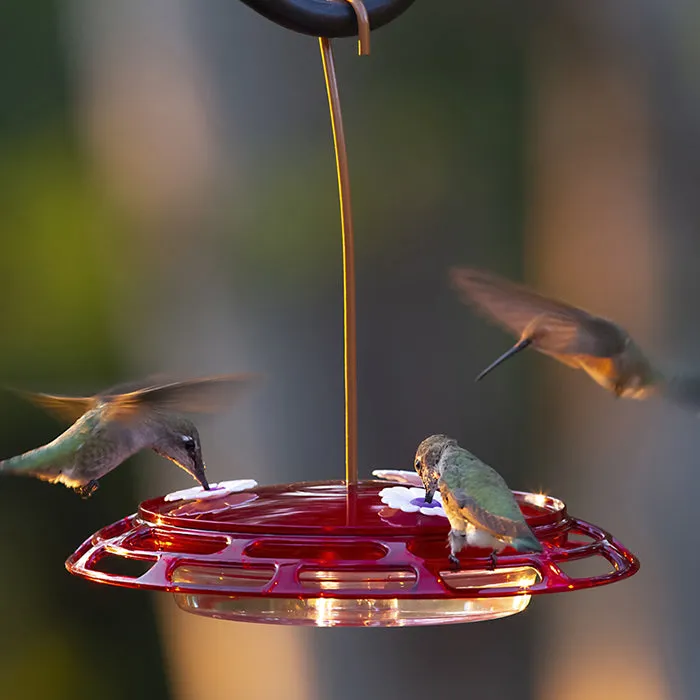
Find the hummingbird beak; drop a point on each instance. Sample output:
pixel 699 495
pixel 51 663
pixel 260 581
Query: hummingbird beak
pixel 199 473
pixel 520 345
pixel 429 495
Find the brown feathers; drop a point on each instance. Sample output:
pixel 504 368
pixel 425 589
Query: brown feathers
pixel 204 395
pixel 554 327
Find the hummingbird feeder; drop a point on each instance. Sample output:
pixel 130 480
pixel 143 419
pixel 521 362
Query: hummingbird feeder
pixel 338 553
pixel 326 554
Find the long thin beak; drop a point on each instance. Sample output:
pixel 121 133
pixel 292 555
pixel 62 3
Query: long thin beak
pixel 429 496
pixel 201 476
pixel 520 345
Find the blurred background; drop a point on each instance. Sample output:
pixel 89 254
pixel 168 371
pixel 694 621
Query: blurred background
pixel 168 204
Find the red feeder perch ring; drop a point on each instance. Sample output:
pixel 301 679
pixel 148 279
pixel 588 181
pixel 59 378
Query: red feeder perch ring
pixel 322 553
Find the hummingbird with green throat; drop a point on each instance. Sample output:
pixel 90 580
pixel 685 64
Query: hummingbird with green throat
pixel 480 507
pixel 604 350
pixel 116 424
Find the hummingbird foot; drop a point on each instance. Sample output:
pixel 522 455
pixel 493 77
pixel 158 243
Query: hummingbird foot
pixel 492 557
pixel 86 491
pixel 454 561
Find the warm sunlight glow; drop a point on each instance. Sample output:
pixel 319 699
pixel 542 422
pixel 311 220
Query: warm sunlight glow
pixel 354 612
pixel 539 499
pixel 514 576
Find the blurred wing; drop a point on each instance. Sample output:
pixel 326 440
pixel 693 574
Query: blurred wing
pixel 69 408
pixel 205 395
pixel 483 496
pixel 569 330
pixel 136 385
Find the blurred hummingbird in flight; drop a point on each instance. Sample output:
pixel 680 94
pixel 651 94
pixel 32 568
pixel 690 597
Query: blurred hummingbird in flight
pixel 115 424
pixel 573 336
pixel 479 505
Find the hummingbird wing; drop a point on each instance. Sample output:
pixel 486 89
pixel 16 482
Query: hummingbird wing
pixel 482 495
pixel 69 408
pixel 149 382
pixel 204 395
pixel 569 330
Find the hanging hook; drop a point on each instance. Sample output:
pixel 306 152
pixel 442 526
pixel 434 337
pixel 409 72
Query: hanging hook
pixel 363 26
pixel 329 18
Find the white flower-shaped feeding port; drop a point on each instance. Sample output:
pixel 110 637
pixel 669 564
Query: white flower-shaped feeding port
pixel 411 499
pixel 399 476
pixel 220 489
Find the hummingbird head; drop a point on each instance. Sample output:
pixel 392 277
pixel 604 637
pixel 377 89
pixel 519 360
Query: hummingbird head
pixel 178 441
pixel 427 459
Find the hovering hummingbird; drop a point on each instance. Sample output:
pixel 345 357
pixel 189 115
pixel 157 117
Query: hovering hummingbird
pixel 571 335
pixel 117 423
pixel 479 505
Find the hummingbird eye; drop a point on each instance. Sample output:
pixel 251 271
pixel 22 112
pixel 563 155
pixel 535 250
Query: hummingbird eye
pixel 188 442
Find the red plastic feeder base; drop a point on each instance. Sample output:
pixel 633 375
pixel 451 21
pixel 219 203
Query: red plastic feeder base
pixel 319 553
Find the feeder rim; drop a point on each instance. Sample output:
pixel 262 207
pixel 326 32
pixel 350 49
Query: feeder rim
pixel 157 512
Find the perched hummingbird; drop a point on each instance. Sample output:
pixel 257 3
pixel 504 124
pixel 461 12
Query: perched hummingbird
pixel 479 505
pixel 573 336
pixel 115 424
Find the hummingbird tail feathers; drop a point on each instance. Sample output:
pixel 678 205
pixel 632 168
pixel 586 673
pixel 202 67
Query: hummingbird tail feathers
pixel 13 465
pixel 8 466
pixel 527 543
